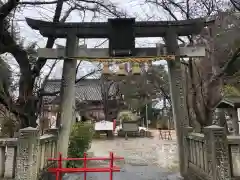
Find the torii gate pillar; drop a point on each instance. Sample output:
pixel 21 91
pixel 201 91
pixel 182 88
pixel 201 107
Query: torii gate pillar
pixel 67 107
pixel 177 97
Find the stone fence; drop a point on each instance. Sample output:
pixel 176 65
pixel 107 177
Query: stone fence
pixel 23 158
pixel 212 155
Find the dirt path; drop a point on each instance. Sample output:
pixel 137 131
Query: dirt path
pixel 141 151
pixel 145 158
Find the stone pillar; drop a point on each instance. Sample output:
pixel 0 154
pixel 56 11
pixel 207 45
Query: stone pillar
pixel 235 121
pixel 217 151
pixel 187 130
pixel 27 154
pixel 2 160
pixel 221 119
pixel 177 95
pixel 67 95
pixel 54 150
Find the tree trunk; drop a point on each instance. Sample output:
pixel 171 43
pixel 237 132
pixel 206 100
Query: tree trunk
pixel 27 101
pixel 195 102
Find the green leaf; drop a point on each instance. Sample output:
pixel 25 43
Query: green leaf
pixel 80 141
pixel 229 90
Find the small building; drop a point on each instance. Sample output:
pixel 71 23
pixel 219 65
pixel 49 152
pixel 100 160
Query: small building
pixel 90 101
pixel 232 104
pixel 229 102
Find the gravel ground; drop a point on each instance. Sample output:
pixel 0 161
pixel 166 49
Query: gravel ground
pixel 129 173
pixel 144 159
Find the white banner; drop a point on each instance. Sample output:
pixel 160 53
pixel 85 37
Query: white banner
pixel 104 126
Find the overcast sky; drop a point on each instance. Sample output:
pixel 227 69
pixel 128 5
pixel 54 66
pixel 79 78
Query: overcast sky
pixel 134 8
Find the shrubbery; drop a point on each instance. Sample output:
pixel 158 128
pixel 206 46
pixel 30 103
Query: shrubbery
pixel 127 116
pixel 80 142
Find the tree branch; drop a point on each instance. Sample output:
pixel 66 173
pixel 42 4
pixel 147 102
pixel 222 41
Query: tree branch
pixel 50 42
pixel 35 3
pixel 185 12
pixel 47 76
pixel 167 8
pixel 235 4
pixel 19 54
pixel 67 13
pixel 6 8
pixel 110 7
pixel 228 65
pixel 196 109
pixel 78 65
pixel 10 106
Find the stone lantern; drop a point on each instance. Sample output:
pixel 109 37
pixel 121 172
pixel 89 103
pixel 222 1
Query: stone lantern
pixel 232 104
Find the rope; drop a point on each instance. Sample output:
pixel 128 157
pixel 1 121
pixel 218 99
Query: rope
pixel 121 59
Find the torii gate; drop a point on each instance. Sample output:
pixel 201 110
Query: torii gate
pixel 121 34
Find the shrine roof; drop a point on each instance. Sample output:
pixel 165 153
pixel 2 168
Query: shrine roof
pixel 86 90
pixel 229 102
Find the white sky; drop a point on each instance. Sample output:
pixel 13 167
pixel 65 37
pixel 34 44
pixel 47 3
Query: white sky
pixel 134 8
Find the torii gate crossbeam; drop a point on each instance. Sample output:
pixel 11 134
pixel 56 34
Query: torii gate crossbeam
pixel 101 29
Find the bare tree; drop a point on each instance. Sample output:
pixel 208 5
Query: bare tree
pixel 27 101
pixel 236 4
pixel 139 90
pixel 206 75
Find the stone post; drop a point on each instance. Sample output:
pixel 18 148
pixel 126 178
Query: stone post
pixel 67 95
pixel 235 121
pixel 187 130
pixel 177 96
pixel 54 150
pixel 217 151
pixel 27 154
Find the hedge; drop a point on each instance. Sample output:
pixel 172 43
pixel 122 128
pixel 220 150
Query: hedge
pixel 79 142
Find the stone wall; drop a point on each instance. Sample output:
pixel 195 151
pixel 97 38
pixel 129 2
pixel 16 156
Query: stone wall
pixel 23 158
pixel 8 152
pixel 212 155
pixel 8 122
